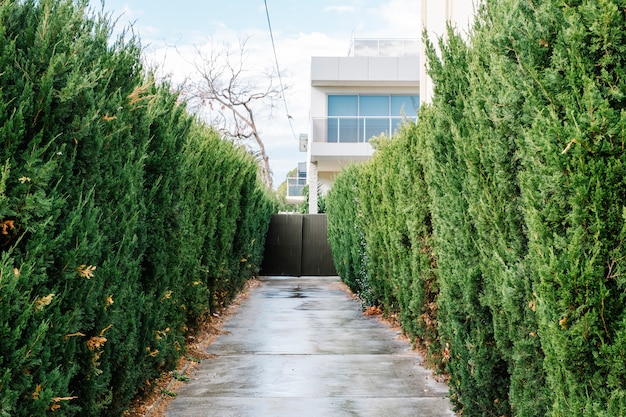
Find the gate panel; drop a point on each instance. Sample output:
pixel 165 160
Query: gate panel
pixel 297 245
pixel 283 246
pixel 317 258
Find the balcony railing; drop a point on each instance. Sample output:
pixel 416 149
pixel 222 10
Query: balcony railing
pixel 354 129
pixel 385 47
pixel 295 186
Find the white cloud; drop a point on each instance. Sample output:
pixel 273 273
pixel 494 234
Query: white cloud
pixel 400 18
pixel 131 18
pixel 342 9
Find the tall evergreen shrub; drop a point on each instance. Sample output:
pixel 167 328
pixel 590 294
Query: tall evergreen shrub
pixel 522 155
pixel 496 103
pixel 479 376
pixel 346 234
pixel 225 231
pixel 540 157
pixel 97 288
pixel 573 188
pixel 61 85
pixel 380 235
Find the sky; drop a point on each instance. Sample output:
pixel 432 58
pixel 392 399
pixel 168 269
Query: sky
pixel 171 33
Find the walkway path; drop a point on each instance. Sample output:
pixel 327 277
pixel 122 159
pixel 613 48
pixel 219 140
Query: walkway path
pixel 300 347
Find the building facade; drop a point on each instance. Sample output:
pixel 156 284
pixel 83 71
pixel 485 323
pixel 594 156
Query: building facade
pixel 355 98
pixel 367 94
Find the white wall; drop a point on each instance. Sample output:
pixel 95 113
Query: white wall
pixel 435 15
pixel 350 75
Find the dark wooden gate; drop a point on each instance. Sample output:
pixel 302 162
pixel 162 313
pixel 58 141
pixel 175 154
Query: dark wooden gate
pixel 297 245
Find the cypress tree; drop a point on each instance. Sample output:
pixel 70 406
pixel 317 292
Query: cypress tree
pixel 496 104
pixel 479 377
pixel 573 188
pixel 346 232
pixel 380 236
pixel 414 257
pixel 97 280
pixel 168 124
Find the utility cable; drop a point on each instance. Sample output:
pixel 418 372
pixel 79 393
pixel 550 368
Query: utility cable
pixel 280 78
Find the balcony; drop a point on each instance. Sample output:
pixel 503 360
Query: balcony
pixel 295 189
pixel 354 129
pixel 385 47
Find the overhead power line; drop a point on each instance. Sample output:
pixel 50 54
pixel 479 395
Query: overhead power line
pixel 280 78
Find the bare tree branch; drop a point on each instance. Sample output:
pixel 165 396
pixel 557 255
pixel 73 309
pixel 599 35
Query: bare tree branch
pixel 233 95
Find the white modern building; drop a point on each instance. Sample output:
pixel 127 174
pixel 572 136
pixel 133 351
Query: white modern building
pixel 355 98
pixel 366 94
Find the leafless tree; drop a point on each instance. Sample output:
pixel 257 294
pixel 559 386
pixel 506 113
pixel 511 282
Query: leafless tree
pixel 231 94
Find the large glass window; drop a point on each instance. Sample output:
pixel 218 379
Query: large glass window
pixel 343 105
pixel 405 105
pixel 343 119
pixel 354 118
pixel 373 105
pixel 374 112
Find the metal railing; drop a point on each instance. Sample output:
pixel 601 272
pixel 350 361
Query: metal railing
pixel 385 47
pixel 354 129
pixel 295 186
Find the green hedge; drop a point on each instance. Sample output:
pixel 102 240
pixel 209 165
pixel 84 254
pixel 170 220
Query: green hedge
pixel 123 221
pixel 379 231
pixel 522 155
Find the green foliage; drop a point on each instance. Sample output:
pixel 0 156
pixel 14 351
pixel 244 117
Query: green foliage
pixel 478 373
pixel 379 231
pixel 346 234
pixel 574 190
pixel 321 201
pixel 225 232
pixel 106 256
pixel 521 153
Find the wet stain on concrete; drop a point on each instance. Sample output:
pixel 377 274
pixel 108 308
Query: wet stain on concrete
pixel 298 347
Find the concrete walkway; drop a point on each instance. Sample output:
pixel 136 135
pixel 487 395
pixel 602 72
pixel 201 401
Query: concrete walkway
pixel 300 347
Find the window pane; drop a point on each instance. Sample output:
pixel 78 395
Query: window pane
pixel 374 106
pixel 391 48
pixel 365 47
pixel 342 105
pixel 375 126
pixel 348 129
pixel 333 129
pixel 407 104
pixel 411 47
pixel 396 122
